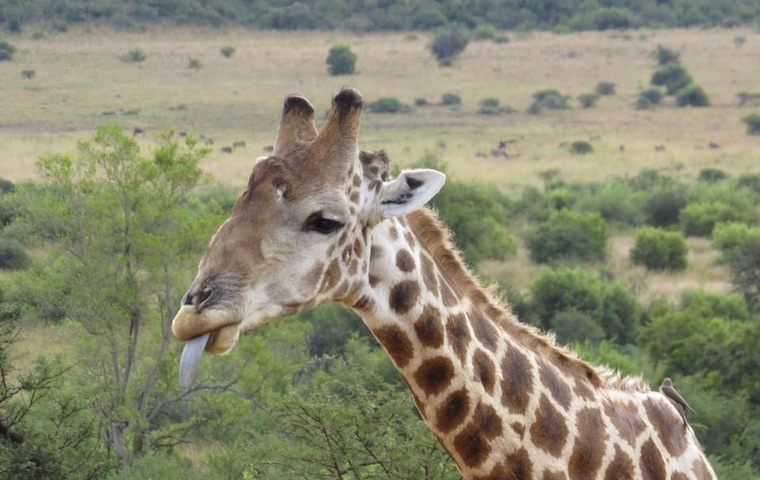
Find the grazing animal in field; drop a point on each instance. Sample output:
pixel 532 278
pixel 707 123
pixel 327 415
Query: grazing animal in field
pixel 137 131
pixel 714 146
pixel 227 149
pixel 238 144
pixel 659 148
pixel 321 221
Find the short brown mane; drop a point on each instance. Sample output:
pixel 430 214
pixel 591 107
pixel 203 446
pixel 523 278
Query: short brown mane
pixel 434 235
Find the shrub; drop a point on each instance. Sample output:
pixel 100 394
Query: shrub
pixel 605 88
pixel 699 219
pixel 673 77
pixel 665 56
pixel 579 306
pixel 451 99
pixel 692 96
pixel 548 98
pixel 447 44
pixel 614 201
pixel 753 123
pixel 227 51
pixel 750 181
pixel 652 96
pixel 6 50
pixel 136 55
pixel 28 74
pixel 712 175
pixel 659 250
pixel 340 60
pixel 477 214
pixel 613 18
pixel 13 256
pixel 569 235
pixel 588 100
pixel 420 102
pixel 490 106
pixel 664 206
pixel 484 31
pixel 387 105
pixel 581 147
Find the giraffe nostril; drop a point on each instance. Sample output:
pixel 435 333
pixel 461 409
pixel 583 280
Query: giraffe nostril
pixel 197 298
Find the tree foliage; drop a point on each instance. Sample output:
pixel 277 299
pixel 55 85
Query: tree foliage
pixel 447 44
pixel 658 249
pixel 569 235
pixel 341 60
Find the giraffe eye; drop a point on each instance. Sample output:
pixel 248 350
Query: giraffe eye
pixel 317 223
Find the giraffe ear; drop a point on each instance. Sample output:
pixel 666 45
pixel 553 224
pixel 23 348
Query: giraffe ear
pixel 410 191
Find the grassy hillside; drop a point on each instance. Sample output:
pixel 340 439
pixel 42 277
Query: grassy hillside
pixel 80 82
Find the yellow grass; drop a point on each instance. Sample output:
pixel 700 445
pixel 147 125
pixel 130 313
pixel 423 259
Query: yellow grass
pixel 79 77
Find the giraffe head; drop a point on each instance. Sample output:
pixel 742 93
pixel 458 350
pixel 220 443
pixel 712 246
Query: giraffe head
pixel 298 235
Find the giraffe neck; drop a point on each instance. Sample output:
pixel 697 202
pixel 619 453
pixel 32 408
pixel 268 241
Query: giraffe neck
pixel 504 400
pixel 471 366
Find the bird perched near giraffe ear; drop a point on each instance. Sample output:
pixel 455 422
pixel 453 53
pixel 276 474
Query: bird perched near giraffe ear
pixel 675 398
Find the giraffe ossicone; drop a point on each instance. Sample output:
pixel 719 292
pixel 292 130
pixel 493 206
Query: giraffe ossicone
pixel 321 221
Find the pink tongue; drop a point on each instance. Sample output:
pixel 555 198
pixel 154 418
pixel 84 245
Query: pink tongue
pixel 191 358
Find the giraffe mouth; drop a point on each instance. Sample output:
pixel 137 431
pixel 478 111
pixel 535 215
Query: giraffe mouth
pixel 210 331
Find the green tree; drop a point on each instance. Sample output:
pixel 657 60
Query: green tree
pixel 7 50
pixel 740 248
pixel 447 44
pixel 672 76
pixel 341 60
pixel 121 226
pixel 659 249
pixel 569 235
pixel 692 96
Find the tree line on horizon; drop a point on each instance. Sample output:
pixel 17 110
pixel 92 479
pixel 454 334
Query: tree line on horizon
pixel 384 15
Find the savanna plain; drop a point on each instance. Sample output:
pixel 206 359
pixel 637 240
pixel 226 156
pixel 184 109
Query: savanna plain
pixel 81 81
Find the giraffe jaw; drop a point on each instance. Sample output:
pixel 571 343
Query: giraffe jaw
pixel 222 325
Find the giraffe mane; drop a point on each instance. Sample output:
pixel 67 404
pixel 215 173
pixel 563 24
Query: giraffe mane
pixel 436 237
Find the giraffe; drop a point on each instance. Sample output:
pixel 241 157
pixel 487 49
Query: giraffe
pixel 321 221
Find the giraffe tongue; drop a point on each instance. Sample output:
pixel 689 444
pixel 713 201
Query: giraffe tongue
pixel 191 358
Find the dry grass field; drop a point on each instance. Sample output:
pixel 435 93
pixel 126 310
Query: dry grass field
pixel 80 83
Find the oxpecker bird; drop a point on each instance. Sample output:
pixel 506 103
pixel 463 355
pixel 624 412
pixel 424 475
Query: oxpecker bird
pixel 675 398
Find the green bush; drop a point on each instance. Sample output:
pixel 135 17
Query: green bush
pixel 227 51
pixel 447 44
pixel 673 77
pixel 341 60
pixel 664 205
pixel 136 55
pixel 578 306
pixel 387 105
pixel 749 181
pixel 665 56
pixel 605 88
pixel 614 201
pixel 613 18
pixel 548 98
pixel 692 96
pixel 659 250
pixel 581 147
pixel 725 305
pixel 753 123
pixel 13 255
pixel 699 219
pixel 451 99
pixel 588 100
pixel 6 50
pixel 569 235
pixel 648 98
pixel 712 175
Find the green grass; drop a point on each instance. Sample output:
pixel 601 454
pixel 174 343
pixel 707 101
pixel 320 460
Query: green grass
pixel 79 77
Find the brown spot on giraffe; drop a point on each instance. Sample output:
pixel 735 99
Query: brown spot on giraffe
pixel 557 385
pixel 404 261
pixel 396 343
pixel 458 336
pixel 557 475
pixel 447 294
pixel 365 302
pixel 628 426
pixel 517 466
pixel 517 381
pixel 487 421
pixel 404 296
pixel 429 275
pixel 620 468
pixel 701 470
pixel 332 276
pixel 484 331
pixel 484 370
pixel 679 476
pixel 358 247
pixel 588 449
pixel 518 428
pixel 549 431
pixel 650 461
pixel 434 375
pixel 429 327
pixel 452 411
pixel 472 446
pixel 668 426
